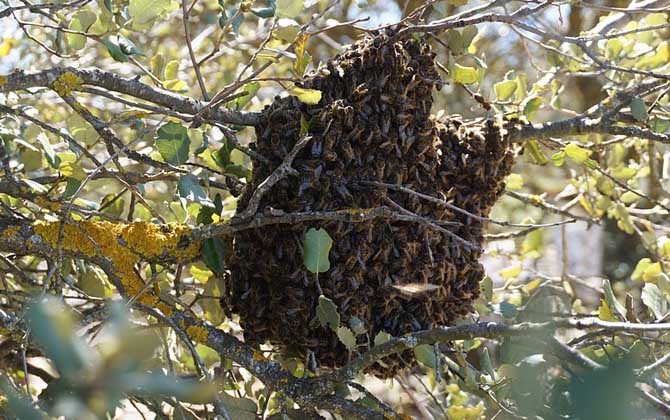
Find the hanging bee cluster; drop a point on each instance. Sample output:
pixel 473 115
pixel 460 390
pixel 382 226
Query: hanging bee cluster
pixel 373 123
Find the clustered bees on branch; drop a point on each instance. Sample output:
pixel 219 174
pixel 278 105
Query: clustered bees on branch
pixel 373 123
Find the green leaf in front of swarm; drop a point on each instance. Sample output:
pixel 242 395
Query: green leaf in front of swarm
pixel 347 338
pixel 316 247
pixel 326 312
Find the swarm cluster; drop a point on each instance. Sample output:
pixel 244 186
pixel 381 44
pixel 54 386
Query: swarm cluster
pixel 373 123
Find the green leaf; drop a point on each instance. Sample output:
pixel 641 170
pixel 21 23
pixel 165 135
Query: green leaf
pixel 35 186
pixel 127 46
pixel 189 188
pixel 213 251
pixel 81 22
pixel 265 12
pixel 535 154
pixel 158 64
pixel 94 284
pixel 173 142
pixel 306 96
pixel 639 109
pixel 660 125
pixel 347 338
pixel 112 44
pixel 81 130
pixel 577 154
pixel 508 310
pixel 211 307
pixel 317 246
pixel 615 307
pixel 49 152
pixel 531 105
pixel 144 11
pixel 659 58
pixel 454 41
pixel 287 29
pixel 613 48
pixel 239 408
pixel 288 8
pixel 558 158
pixel 468 34
pixel 653 298
pixel 463 74
pixel 17 406
pixel 327 313
pixel 486 287
pixel 53 328
pixel 381 338
pixel 172 70
pixel 505 89
pixel 624 173
pixel 251 90
pixel 425 354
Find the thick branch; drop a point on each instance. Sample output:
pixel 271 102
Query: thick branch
pixel 583 124
pixel 19 80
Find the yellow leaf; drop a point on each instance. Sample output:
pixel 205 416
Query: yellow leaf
pixel 652 272
pixel 514 182
pixel 306 96
pixel 529 287
pixel 510 272
pixel 6 46
pixel 578 154
pixel 604 312
pixel 463 74
pixel 640 268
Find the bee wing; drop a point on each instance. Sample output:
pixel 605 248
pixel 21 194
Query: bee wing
pixel 414 289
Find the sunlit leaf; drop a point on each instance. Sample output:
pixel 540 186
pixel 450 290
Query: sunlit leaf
pixel 505 89
pixel 288 8
pixel 653 298
pixel 81 22
pixel 535 154
pixel 510 272
pixel 143 11
pixel 347 337
pixel 381 338
pixel 615 307
pixel 578 154
pixel 189 188
pixel 531 105
pixel 306 96
pixel 514 182
pixel 463 74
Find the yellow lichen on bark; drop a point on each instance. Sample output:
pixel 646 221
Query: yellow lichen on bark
pixel 197 334
pixel 44 203
pixel 67 83
pixel 124 245
pixel 10 232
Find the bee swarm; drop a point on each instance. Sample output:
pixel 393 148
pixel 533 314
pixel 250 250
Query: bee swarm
pixel 373 123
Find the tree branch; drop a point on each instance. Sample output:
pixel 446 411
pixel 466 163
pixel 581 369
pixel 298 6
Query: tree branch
pixel 19 80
